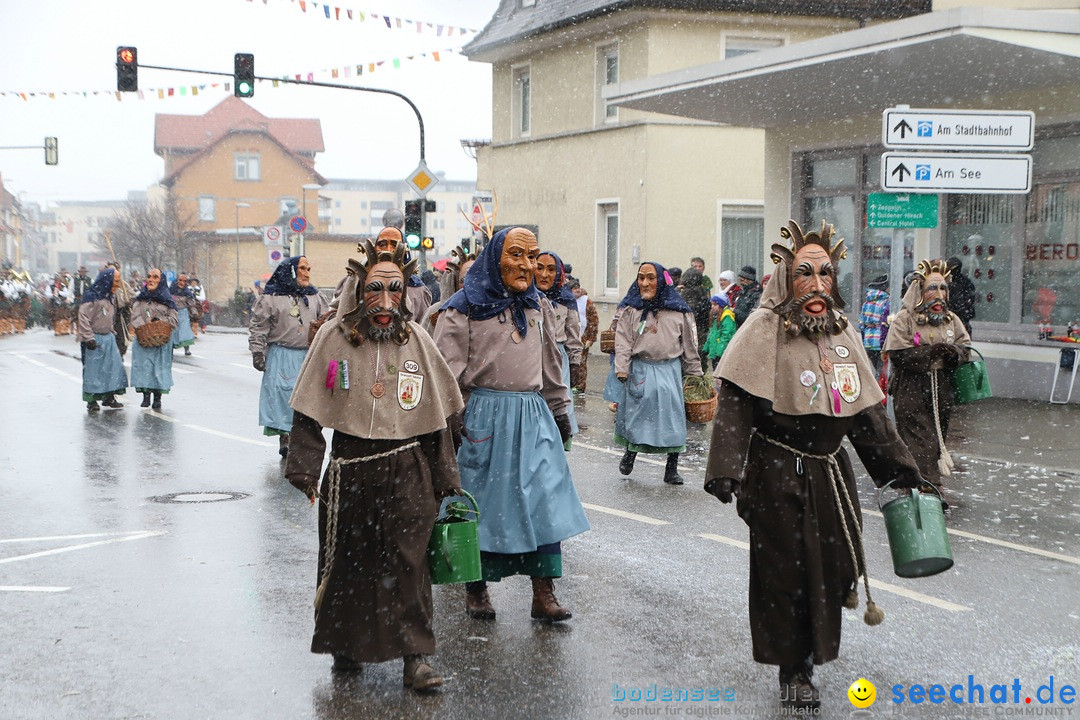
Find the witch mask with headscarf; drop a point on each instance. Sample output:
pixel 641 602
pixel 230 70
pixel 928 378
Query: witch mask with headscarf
pixel 653 291
pixel 556 291
pixel 284 281
pixel 372 303
pixel 102 287
pixel 158 293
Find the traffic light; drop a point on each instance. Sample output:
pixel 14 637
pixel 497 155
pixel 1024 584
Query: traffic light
pixel 414 217
pixel 243 75
pixel 466 243
pixel 427 243
pixel 429 206
pixel 127 69
pixel 52 151
pixel 412 240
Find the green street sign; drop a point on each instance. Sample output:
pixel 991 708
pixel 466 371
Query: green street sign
pixel 890 210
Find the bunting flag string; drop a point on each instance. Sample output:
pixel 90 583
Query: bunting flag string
pixel 334 12
pixel 348 71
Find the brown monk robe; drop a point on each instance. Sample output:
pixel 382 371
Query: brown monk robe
pixel 380 383
pixel 926 343
pixel 796 381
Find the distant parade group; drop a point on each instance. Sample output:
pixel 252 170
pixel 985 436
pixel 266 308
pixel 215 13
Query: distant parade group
pixel 467 387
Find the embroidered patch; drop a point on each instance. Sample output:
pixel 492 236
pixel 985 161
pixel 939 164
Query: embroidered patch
pixel 410 387
pixel 847 381
pixel 411 366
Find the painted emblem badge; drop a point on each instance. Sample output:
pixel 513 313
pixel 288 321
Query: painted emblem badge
pixel 807 378
pixel 410 388
pixel 847 381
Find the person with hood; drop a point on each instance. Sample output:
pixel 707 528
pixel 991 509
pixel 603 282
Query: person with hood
pixel 696 295
pixel 278 341
pixel 151 367
pixel 381 384
pixel 655 346
pixel 728 286
pixel 749 294
pixel 103 374
pixel 187 309
pixel 926 343
pixel 721 329
pixel 873 318
pixel 796 382
pixel 551 282
pixel 962 295
pixel 500 345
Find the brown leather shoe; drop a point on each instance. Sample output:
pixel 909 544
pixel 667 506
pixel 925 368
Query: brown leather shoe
pixel 544 604
pixel 420 676
pixel 797 690
pixel 478 604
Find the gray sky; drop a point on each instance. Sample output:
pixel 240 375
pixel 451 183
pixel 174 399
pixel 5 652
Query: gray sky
pixel 106 146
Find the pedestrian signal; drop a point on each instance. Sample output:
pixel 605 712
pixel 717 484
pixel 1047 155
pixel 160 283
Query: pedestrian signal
pixel 127 69
pixel 427 243
pixel 243 75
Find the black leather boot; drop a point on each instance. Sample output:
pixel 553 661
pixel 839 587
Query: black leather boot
pixel 145 400
pixel 157 401
pixel 796 688
pixel 671 472
pixel 626 465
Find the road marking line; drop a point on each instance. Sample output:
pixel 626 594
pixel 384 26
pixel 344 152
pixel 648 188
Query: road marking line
pixel 30 588
pixel 877 584
pixel 617 453
pixel 159 415
pixel 83 536
pixel 61 373
pixel 622 513
pixel 84 546
pixel 1001 543
pixel 181 371
pixel 229 435
pixel 246 367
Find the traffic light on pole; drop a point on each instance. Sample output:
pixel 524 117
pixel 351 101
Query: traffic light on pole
pixel 427 243
pixel 414 223
pixel 127 69
pixel 243 75
pixel 52 150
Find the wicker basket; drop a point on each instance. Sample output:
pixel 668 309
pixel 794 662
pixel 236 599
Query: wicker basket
pixel 701 411
pixel 607 341
pixel 154 333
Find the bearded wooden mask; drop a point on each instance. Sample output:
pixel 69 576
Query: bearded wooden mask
pixel 934 276
pixel 812 291
pixel 381 310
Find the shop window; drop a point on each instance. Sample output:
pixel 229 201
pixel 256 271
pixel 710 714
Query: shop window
pixel 1052 255
pixel 980 234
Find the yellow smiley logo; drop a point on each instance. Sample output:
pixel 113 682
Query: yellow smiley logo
pixel 862 693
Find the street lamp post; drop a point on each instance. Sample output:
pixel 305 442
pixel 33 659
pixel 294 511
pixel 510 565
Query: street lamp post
pixel 238 206
pixel 303 212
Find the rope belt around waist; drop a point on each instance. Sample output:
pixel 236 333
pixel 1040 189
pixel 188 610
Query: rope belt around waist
pixel 874 615
pixel 333 491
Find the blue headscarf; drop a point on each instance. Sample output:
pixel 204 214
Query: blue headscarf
pixel 666 298
pixel 160 294
pixel 283 281
pixel 483 294
pixel 101 288
pixel 185 291
pixel 558 292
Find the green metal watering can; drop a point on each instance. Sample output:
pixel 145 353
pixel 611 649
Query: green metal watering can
pixel 454 548
pixel 918 540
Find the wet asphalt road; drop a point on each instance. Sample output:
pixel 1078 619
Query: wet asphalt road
pixel 116 605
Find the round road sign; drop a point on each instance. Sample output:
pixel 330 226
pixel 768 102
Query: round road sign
pixel 298 223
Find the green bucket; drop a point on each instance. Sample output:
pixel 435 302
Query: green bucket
pixel 454 548
pixel 918 540
pixel 971 382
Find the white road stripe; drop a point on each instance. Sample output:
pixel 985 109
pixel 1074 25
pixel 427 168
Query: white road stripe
pixel 84 546
pixel 83 536
pixel 246 367
pixel 622 513
pixel 617 453
pixel 61 373
pixel 30 588
pixel 229 435
pixel 182 371
pixel 876 584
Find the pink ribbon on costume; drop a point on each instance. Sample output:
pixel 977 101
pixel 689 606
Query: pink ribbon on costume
pixel 835 401
pixel 667 277
pixel 916 339
pixel 331 374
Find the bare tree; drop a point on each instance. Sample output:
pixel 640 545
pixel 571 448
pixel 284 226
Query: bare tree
pixel 148 234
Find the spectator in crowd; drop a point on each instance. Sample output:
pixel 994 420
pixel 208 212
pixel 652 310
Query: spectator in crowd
pixel 873 318
pixel 675 274
pixel 961 293
pixel 721 329
pixel 695 295
pixel 749 294
pixel 699 265
pixel 590 326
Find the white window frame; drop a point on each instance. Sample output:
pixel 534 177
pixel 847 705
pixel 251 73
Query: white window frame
pixel 606 112
pixel 739 45
pixel 736 209
pixel 521 101
pixel 243 165
pixel 207 208
pixel 607 208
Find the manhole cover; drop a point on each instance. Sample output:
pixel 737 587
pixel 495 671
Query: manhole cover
pixel 200 497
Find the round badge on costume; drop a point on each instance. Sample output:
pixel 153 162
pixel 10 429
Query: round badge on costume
pixel 949 333
pixel 411 366
pixel 841 351
pixel 516 337
pixel 808 378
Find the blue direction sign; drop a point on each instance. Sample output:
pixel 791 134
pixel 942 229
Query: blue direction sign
pixel 298 223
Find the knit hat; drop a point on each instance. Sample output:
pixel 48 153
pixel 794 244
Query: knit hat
pixel 749 272
pixel 881 282
pixel 727 275
pixel 720 300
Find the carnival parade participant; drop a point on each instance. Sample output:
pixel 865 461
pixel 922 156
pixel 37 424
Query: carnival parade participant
pixel 103 369
pixel 419 297
pixel 613 388
pixel 501 348
pixel 188 309
pixel 381 384
pixel 589 322
pixel 796 381
pixel 655 346
pixel 278 341
pixel 451 281
pixel 925 344
pixel 151 367
pixel 551 282
pixel 61 304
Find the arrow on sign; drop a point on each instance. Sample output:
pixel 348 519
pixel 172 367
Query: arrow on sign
pixel 901 169
pixel 902 127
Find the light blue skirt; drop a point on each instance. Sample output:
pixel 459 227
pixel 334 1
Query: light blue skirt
pixel 103 369
pixel 613 389
pixel 181 334
pixel 569 392
pixel 151 368
pixel 652 412
pixel 279 378
pixel 512 460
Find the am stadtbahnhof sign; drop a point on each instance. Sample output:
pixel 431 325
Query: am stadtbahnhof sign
pixel 989 130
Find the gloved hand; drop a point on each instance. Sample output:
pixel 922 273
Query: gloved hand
pixel 723 489
pixel 575 376
pixel 307 484
pixel 563 422
pixel 90 344
pixel 258 361
pixel 622 377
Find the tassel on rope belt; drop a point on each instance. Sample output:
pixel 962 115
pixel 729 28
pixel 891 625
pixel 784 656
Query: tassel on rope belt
pixel 333 490
pixel 945 461
pixel 874 615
